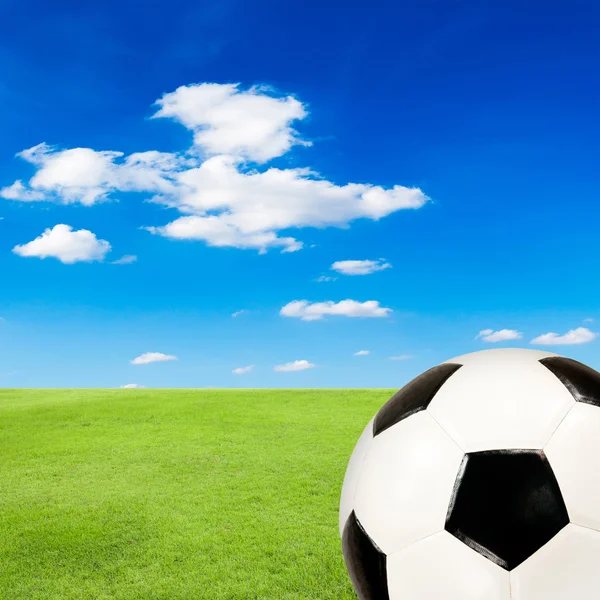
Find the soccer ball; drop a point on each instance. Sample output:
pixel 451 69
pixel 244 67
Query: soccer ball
pixel 479 480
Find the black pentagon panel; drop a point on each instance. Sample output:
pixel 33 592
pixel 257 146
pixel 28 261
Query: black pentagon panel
pixel 413 397
pixel 582 381
pixel 366 564
pixel 507 504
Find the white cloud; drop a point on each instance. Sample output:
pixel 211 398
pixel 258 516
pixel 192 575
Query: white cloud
pixel 132 386
pixel 252 124
pixel 362 353
pixel 221 200
pixel 220 232
pixel 237 313
pixel 77 174
pixel 588 320
pixel 17 191
pixel 402 357
pixel 86 176
pixel 242 370
pixel 150 357
pixel 297 365
pixel 581 335
pixel 360 267
pixel 127 259
pixel 306 311
pixel 66 245
pixel 323 278
pixel 254 206
pixel 489 335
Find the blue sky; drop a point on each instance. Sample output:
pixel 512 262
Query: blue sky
pixel 205 138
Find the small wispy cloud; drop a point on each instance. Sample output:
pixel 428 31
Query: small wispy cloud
pixel 130 386
pixel 360 267
pixel 242 370
pixel 323 278
pixel 588 320
pixel 362 353
pixel 125 260
pixel 297 365
pixel 9 373
pixel 502 335
pixel 150 357
pixel 580 335
pixel 307 311
pixel 237 313
pixel 402 357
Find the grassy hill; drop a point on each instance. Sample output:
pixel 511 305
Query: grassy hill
pixel 175 494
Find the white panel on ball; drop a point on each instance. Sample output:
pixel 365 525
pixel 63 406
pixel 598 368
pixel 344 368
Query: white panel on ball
pixel 566 567
pixel 574 455
pixel 406 482
pixel 352 473
pixel 440 567
pixel 501 399
pixel 500 354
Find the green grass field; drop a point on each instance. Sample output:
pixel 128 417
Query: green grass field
pixel 175 494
